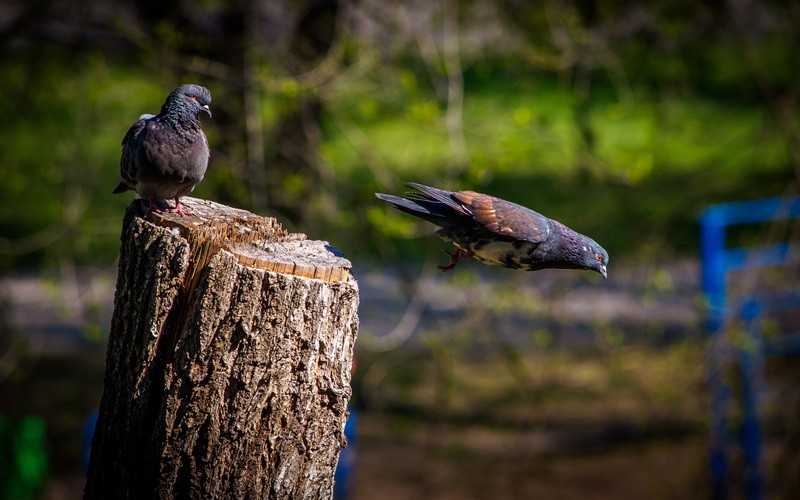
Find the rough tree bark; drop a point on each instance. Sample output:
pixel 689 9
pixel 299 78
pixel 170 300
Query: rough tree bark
pixel 228 362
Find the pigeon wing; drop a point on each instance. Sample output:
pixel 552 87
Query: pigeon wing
pixel 505 218
pixel 128 166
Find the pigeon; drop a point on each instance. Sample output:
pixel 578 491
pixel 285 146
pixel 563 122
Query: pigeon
pixel 498 232
pixel 166 155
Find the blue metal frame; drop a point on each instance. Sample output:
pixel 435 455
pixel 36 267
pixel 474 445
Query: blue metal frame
pixel 718 260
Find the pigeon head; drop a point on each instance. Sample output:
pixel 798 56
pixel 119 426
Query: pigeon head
pixel 188 99
pixel 595 258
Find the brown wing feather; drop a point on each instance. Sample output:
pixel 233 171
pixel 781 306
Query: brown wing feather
pixel 505 218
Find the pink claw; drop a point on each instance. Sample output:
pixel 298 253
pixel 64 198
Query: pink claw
pixel 454 259
pixel 152 206
pixel 179 208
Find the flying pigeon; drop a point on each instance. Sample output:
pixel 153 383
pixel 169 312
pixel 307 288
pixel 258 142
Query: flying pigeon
pixel 166 155
pixel 498 232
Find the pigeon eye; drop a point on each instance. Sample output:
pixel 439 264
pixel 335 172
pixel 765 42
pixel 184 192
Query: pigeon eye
pixel 599 257
pixel 194 98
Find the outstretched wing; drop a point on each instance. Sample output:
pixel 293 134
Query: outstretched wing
pixel 505 218
pixel 493 215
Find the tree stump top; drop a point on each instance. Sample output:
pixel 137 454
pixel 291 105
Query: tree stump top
pixel 256 241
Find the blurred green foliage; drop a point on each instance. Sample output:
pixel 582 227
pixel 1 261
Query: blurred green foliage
pixel 656 160
pixel 23 456
pixel 629 149
pixel 61 154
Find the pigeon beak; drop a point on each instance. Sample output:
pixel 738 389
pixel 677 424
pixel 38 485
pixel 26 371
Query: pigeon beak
pixel 603 272
pixel 207 110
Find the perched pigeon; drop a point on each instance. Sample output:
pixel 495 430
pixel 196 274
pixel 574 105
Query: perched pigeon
pixel 500 233
pixel 165 155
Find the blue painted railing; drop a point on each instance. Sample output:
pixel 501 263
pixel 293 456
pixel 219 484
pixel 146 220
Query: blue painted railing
pixel 718 261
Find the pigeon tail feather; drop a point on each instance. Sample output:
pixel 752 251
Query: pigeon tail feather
pixel 431 211
pixel 121 188
pixel 448 198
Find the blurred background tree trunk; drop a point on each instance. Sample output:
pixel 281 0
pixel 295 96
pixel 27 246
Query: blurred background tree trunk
pixel 294 164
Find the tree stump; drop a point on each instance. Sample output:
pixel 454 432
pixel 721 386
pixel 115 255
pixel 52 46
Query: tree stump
pixel 228 362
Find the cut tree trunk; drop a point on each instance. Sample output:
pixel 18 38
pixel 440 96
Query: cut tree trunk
pixel 228 362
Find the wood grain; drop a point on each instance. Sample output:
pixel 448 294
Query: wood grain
pixel 228 361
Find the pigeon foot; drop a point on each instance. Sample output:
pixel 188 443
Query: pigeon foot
pixel 179 209
pixel 152 205
pixel 454 258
